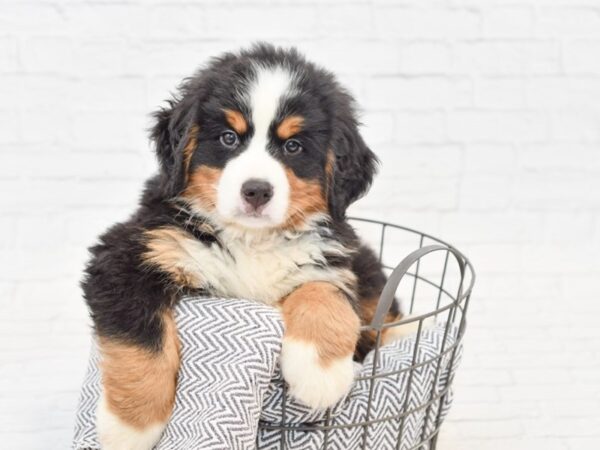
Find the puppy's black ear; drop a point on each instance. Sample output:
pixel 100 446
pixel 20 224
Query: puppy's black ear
pixel 354 166
pixel 168 134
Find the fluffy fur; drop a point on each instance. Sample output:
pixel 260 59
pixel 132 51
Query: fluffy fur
pixel 267 115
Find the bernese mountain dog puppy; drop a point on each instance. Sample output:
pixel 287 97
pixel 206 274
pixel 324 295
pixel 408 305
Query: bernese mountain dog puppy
pixel 260 156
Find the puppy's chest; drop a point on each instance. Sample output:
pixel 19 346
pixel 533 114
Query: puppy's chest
pixel 264 270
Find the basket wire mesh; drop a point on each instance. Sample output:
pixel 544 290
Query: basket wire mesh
pixel 446 295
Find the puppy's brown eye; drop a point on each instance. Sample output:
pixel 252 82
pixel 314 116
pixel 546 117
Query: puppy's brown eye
pixel 229 139
pixel 292 147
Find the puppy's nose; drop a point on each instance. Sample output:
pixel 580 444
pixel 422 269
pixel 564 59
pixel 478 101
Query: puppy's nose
pixel 257 192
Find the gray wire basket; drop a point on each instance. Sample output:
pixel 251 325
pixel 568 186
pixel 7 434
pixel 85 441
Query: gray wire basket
pixel 425 278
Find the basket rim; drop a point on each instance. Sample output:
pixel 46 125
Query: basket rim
pixel 463 293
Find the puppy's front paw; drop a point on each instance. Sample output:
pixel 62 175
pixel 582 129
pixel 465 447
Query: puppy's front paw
pixel 313 383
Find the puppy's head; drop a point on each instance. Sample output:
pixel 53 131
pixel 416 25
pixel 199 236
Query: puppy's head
pixel 263 139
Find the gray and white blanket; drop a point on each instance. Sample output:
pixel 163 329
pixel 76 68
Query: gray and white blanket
pixel 230 391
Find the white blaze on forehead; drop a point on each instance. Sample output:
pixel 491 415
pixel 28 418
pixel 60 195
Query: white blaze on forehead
pixel 267 90
pixel 270 85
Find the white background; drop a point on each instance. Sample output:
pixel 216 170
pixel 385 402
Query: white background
pixel 486 116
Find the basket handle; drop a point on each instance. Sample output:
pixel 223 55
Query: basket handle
pixel 389 290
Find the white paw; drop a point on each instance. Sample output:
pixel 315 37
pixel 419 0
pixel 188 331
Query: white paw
pixel 114 434
pixel 312 384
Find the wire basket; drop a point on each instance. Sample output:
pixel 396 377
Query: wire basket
pixel 432 287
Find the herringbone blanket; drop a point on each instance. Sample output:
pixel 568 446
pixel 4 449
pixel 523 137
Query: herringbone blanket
pixel 229 385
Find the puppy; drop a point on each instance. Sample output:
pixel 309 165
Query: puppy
pixel 259 157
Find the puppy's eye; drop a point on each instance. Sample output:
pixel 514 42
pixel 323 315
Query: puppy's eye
pixel 229 139
pixel 292 147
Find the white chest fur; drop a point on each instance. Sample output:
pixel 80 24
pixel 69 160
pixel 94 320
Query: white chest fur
pixel 266 267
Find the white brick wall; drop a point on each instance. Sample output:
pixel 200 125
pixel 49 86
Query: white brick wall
pixel 486 115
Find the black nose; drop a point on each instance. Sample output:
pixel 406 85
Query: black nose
pixel 257 192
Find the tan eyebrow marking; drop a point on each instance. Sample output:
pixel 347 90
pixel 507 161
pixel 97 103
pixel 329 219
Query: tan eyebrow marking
pixel 236 120
pixel 290 126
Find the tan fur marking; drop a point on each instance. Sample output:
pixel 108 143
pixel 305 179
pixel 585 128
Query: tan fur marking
pixel 290 126
pixel 329 168
pixel 368 337
pixel 188 150
pixel 202 187
pixel 330 164
pixel 318 313
pixel 167 250
pixel 368 306
pixel 139 385
pixel 306 197
pixel 236 121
